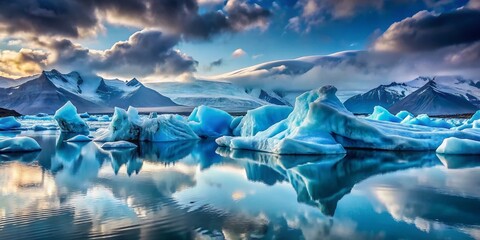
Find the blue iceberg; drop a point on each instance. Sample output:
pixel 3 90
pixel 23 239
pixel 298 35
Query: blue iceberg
pixel 69 121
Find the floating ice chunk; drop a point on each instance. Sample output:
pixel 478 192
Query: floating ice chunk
pixel 118 144
pixel 425 120
pixel 474 117
pixel 18 144
pixel 404 114
pixel 454 145
pixel 295 135
pixel 80 138
pixel 7 123
pixel 210 122
pixel 260 119
pixel 320 124
pixel 69 121
pixel 40 127
pixel 382 114
pixel 84 115
pixel 127 125
pixel 40 116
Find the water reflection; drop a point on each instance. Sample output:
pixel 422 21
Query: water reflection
pixel 187 190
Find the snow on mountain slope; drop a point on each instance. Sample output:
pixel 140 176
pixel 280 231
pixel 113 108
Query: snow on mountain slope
pixel 388 95
pixel 221 95
pixel 41 95
pixel 436 99
pixel 52 89
pixel 383 95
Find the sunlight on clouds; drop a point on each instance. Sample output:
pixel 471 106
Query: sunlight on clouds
pixel 23 63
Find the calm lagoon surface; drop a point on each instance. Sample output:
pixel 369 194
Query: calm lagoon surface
pixel 195 190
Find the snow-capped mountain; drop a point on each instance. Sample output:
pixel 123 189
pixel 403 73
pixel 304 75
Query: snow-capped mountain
pixel 452 88
pixel 383 95
pixel 436 99
pixel 52 89
pixel 222 95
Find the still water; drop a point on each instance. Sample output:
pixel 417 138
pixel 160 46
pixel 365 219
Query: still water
pixel 195 190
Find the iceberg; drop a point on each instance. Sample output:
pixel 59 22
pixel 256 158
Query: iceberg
pixel 320 124
pixel 425 120
pixel 18 144
pixel 69 121
pixel 404 114
pixel 454 145
pixel 41 127
pixel 84 115
pixel 128 126
pixel 260 119
pixel 7 123
pixel 382 114
pixel 118 144
pixel 79 138
pixel 210 122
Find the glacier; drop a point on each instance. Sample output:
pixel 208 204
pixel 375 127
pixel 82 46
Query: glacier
pixel 320 124
pixel 7 123
pixel 69 121
pixel 129 126
pixel 18 144
pixel 210 122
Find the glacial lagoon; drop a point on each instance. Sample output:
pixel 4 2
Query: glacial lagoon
pixel 196 190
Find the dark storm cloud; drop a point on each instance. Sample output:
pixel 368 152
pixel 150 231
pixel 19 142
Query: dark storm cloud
pixel 66 18
pixel 426 31
pixel 75 18
pixel 145 53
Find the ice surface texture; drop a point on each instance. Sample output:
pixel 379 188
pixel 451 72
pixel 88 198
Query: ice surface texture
pixel 260 119
pixel 459 146
pixel 79 138
pixel 69 121
pixel 128 126
pixel 18 144
pixel 210 122
pixel 320 124
pixel 7 123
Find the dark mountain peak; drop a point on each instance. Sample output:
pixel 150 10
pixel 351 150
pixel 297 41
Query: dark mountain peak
pixel 134 82
pixel 102 87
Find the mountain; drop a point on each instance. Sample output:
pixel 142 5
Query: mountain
pixel 9 82
pixel 52 89
pixel 388 95
pixel 7 112
pixel 435 99
pixel 383 95
pixel 222 95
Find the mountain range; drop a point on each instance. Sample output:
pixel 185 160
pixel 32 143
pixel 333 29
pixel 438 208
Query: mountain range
pixel 51 89
pixel 440 95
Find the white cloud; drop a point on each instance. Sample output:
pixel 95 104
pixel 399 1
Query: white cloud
pixel 238 53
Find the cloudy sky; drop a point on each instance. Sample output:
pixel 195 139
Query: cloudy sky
pixel 160 40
